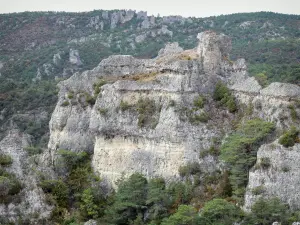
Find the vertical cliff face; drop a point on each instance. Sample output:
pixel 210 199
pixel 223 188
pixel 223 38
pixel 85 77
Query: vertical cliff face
pixel 145 119
pixel 280 177
pixel 141 115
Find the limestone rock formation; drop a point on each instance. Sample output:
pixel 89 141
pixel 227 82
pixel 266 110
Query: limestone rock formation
pixel 171 48
pixel 30 203
pixel 143 118
pixel 74 57
pixel 280 177
pixel 121 143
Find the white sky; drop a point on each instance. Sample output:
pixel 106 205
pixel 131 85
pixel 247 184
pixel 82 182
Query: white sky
pixel 197 8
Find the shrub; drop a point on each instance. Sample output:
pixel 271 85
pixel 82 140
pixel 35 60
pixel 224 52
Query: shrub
pixel 146 109
pixel 293 112
pixel 9 186
pixel 239 151
pixel 58 189
pixel 103 111
pixel 258 190
pixel 220 91
pixel 213 150
pixel 5 160
pixel 185 215
pixel 199 102
pixel 289 138
pixel 189 169
pixel 285 169
pixel 97 86
pixel 265 163
pixel 124 106
pixel 5 186
pixel 70 95
pixel 65 103
pixel 89 99
pixel 219 211
pixel 172 103
pixel 224 96
pixel 265 212
pixel 203 117
pixel 31 150
pixel 262 79
pixel 73 159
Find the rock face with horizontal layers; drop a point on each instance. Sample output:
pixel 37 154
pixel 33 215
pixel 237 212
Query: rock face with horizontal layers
pixel 143 119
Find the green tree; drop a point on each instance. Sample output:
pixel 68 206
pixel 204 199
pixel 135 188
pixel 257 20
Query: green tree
pixel 265 212
pixel 262 79
pixel 157 200
pixel 89 206
pixel 130 200
pixel 220 212
pixel 289 138
pixel 185 215
pixel 239 151
pixel 224 96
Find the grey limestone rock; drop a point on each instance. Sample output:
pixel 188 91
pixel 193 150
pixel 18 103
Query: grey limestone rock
pixel 74 57
pixel 140 38
pixel 280 179
pixel 170 48
pixel 281 90
pixel 212 49
pixel 32 198
pixel 56 58
pixel 120 144
pixel 141 15
pixel 246 24
pixel 164 31
pixel 96 23
pixel 145 24
pixel 114 19
pixel 105 15
pixel 91 222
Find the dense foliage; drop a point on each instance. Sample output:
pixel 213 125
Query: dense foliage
pixel 77 189
pixel 289 138
pixel 224 96
pixel 239 152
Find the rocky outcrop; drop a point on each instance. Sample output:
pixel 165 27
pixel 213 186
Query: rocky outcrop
pixel 74 57
pixel 96 23
pixel 125 139
pixel 121 145
pixel 120 17
pixel 171 48
pixel 212 50
pixel 279 177
pixel 30 203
